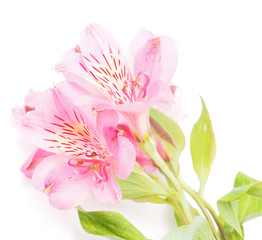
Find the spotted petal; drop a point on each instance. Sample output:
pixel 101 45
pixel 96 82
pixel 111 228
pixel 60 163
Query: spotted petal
pixel 56 125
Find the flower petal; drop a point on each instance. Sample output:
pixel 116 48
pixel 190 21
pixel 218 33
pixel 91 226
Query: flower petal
pixel 126 158
pixel 106 64
pixel 144 160
pixel 124 152
pixel 58 126
pixel 64 187
pixel 96 40
pixel 107 191
pixel 35 158
pixel 72 66
pixel 158 59
pixel 106 119
pixel 139 41
pixel 43 169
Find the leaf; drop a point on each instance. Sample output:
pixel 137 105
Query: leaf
pixel 203 145
pixel 110 224
pixel 243 203
pixel 169 132
pixel 250 204
pixel 228 213
pixel 231 233
pixel 140 186
pixel 198 230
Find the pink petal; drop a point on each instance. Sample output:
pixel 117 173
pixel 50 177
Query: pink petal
pixel 139 41
pixel 57 125
pixel 107 119
pixel 35 158
pixel 126 158
pixel 105 62
pixel 158 59
pixel 146 163
pixel 70 89
pixel 95 40
pixel 124 151
pixel 73 67
pixel 42 170
pixel 173 110
pixel 107 191
pixel 143 159
pixel 64 187
pixel 68 189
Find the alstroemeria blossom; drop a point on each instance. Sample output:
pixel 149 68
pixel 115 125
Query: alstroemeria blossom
pixel 129 85
pixel 79 152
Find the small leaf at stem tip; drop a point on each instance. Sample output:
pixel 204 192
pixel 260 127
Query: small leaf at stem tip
pixel 198 230
pixel 203 146
pixel 169 132
pixel 109 224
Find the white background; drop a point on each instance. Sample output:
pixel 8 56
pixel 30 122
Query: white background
pixel 220 58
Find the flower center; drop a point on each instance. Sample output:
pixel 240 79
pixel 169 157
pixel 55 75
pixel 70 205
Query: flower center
pixel 138 87
pixel 110 74
pixel 93 162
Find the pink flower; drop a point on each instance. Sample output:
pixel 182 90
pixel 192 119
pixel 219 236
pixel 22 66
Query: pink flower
pixel 129 85
pixel 79 152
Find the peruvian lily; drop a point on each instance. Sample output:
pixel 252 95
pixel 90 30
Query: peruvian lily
pixel 129 85
pixel 78 154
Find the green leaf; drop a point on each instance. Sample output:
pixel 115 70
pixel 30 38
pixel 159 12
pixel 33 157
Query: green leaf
pixel 203 146
pixel 139 186
pixel 231 233
pixel 250 203
pixel 228 213
pixel 243 203
pixel 169 132
pixel 198 230
pixel 110 224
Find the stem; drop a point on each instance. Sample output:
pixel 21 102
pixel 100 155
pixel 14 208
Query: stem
pixel 150 148
pixel 215 217
pixel 198 200
pixel 201 189
pixel 177 209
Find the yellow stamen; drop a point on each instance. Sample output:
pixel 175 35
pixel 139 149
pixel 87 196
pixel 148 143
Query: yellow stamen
pixel 78 48
pixel 48 189
pixel 79 163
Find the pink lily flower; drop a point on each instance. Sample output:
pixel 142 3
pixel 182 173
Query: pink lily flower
pixel 129 85
pixel 79 152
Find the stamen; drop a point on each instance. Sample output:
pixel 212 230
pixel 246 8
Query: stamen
pixel 138 87
pixel 28 108
pixel 96 110
pixel 77 49
pixel 95 162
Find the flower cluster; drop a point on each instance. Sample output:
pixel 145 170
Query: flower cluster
pixel 110 124
pixel 87 129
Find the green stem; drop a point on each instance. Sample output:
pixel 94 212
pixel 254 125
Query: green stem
pixel 201 189
pixel 150 147
pixel 215 217
pixel 172 201
pixel 198 200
